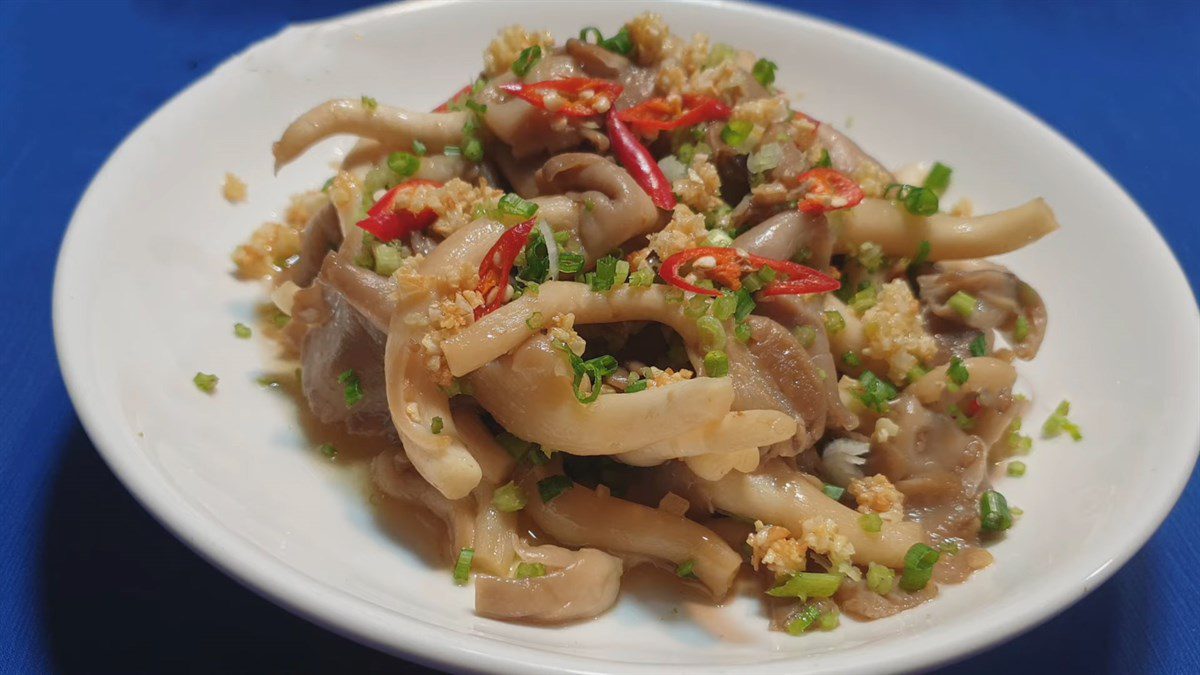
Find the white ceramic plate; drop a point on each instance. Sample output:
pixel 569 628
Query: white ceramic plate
pixel 144 299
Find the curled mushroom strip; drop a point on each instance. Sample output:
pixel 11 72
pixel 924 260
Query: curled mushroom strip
pixel 900 233
pixel 577 585
pixel 530 394
pixel 584 517
pixel 505 329
pixel 394 128
pixel 778 495
pixel 738 429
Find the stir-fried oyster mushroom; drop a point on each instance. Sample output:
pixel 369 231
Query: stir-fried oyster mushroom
pixel 618 295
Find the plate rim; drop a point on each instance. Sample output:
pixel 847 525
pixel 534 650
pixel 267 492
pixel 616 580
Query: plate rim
pixel 357 619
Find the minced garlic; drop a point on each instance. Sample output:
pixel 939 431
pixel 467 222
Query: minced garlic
pixel 686 230
pixel 455 202
pixel 234 189
pixel 894 332
pixel 701 188
pixel 876 494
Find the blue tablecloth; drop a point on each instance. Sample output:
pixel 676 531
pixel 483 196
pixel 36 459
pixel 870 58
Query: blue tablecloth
pixel 89 582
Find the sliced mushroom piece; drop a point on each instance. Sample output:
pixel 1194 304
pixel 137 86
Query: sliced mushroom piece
pixel 1001 300
pixel 577 585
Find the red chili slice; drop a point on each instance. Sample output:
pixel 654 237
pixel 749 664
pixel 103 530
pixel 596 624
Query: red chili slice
pixel 730 263
pixel 640 164
pixel 388 224
pixel 564 97
pixel 458 97
pixel 658 114
pixel 828 190
pixel 493 271
pixel 971 406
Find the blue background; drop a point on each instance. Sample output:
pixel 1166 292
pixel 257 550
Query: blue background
pixel 89 582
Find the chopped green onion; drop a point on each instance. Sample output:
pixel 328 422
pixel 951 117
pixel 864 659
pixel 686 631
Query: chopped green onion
pixel 712 333
pixel 805 585
pixel 462 568
pixel 916 373
pixel 803 620
pixel 328 184
pixel 535 321
pixel 387 259
pixel 716 363
pixel 1016 469
pixel 741 331
pixel 958 372
pixel 473 150
pixel 352 388
pixel 1021 331
pixel 606 274
pixel 764 72
pixel 871 523
pixel 595 370
pixel 833 492
pixel 530 570
pixel 718 218
pixel 921 202
pixel 328 450
pixel 805 335
pixel 622 272
pixel 736 132
pixel 1058 423
pixel 452 151
pixel 918 567
pixel 403 163
pixel 369 103
pixel 875 393
pixel 752 283
pixel 635 387
pixel 979 346
pixel 718 239
pixel 880 579
pixel 437 425
pixel 642 277
pixel 962 303
pixel 745 305
pixel 570 263
pixel 938 178
pixel 686 569
pixel 419 148
pixel 205 382
pixel 923 251
pixel 509 498
pixel 241 330
pixel 851 359
pixel 949 547
pixel 766 274
pixel 824 162
pixel 1019 443
pixel 834 321
pixel 829 620
pixel 724 306
pixel 550 488
pixel 994 515
pixel 620 43
pixel 870 256
pixel 528 59
pixel 280 319
pixel 864 299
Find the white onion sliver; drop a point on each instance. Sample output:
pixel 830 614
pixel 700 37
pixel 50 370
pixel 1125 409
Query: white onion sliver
pixel 672 168
pixel 551 248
